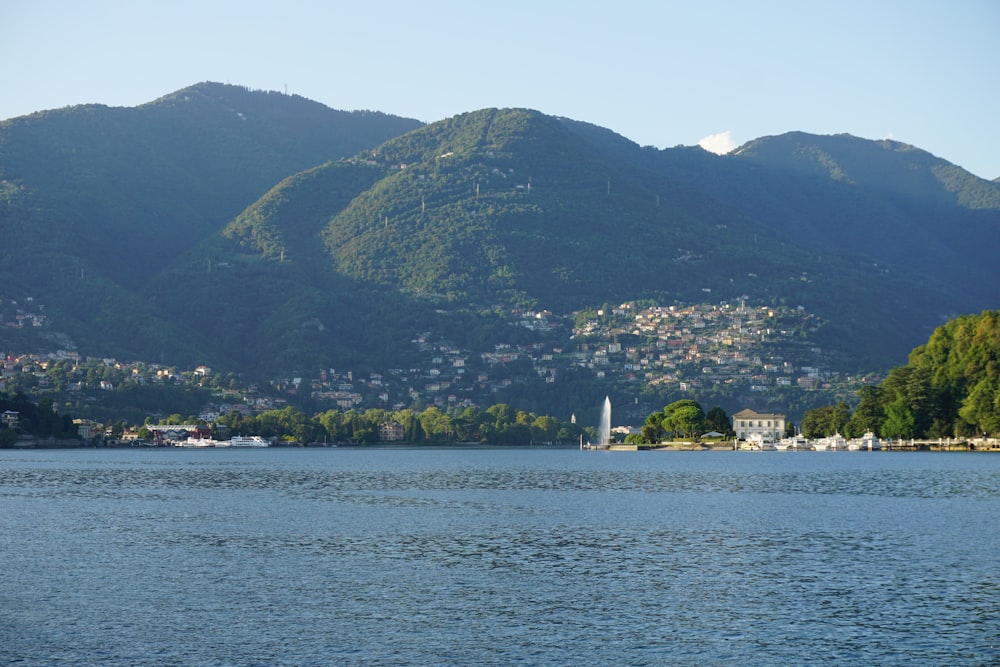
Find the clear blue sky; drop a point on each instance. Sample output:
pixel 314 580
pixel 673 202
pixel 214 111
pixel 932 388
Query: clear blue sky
pixel 659 72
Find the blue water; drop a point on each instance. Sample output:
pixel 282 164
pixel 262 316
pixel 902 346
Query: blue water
pixel 498 557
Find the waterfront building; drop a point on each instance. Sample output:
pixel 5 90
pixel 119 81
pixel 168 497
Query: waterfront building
pixel 748 425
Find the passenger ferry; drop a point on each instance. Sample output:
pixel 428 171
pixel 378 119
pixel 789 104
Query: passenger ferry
pixel 247 441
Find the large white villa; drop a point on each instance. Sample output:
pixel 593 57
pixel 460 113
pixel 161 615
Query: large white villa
pixel 750 425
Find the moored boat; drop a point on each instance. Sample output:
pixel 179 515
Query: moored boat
pixel 247 441
pixel 831 443
pixel 762 442
pixel 868 442
pixel 202 442
pixel 798 442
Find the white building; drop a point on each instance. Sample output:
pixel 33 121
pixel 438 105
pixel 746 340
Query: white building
pixel 748 424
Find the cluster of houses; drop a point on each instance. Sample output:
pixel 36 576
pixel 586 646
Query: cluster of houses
pixel 695 345
pixel 21 313
pixel 682 347
pixel 687 347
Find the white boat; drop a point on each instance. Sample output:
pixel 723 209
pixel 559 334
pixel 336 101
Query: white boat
pixel 830 443
pixel 796 442
pixel 868 442
pixel 247 441
pixel 202 442
pixel 765 443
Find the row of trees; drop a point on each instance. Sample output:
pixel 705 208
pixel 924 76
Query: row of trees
pixel 497 425
pixel 39 419
pixel 949 388
pixel 681 419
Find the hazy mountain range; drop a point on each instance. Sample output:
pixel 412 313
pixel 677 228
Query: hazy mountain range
pixel 266 233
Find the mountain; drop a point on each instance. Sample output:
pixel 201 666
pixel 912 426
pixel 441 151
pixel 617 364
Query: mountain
pixel 518 208
pixel 883 200
pixel 95 201
pixel 265 233
pixel 896 210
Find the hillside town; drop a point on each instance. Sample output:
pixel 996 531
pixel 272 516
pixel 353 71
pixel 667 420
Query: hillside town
pixel 753 350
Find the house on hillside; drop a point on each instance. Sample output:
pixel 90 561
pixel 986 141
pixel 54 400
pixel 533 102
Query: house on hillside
pixel 390 431
pixel 10 418
pixel 752 425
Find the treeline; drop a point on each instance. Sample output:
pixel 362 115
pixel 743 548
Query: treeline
pixel 949 388
pixel 38 419
pixel 684 419
pixel 497 425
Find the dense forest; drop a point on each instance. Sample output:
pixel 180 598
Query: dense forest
pixel 37 419
pixel 949 388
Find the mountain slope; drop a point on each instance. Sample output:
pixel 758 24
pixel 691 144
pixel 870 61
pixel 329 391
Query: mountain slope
pixel 892 204
pixel 887 166
pixel 95 200
pixel 509 206
pixel 266 232
pixel 171 171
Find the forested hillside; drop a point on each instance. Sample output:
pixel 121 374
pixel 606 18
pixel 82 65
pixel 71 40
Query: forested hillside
pixel 950 385
pixel 949 388
pixel 96 201
pixel 266 234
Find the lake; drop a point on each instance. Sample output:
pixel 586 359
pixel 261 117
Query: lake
pixel 480 556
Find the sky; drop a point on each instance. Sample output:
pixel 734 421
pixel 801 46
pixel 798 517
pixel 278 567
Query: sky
pixel 659 72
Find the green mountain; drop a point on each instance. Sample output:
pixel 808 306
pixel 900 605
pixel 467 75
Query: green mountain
pixel 96 201
pixel 265 233
pixel 518 208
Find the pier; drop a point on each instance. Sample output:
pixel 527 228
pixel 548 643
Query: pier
pixel 943 445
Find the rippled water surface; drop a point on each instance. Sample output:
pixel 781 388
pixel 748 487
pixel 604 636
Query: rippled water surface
pixel 498 556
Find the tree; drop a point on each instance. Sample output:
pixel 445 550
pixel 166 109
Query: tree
pixel 502 413
pixel 436 424
pixel 826 421
pixel 685 417
pixel 869 414
pixel 329 425
pixel 841 415
pixel 981 408
pixel 652 430
pixel 899 421
pixel 544 429
pixel 716 419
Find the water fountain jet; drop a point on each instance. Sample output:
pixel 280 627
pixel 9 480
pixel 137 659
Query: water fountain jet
pixel 604 426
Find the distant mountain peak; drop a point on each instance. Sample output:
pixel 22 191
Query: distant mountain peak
pixel 883 164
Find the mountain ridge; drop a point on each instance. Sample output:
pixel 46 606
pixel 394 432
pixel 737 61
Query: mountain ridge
pixel 273 248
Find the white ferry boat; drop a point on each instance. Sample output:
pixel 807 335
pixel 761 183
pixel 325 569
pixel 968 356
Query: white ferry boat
pixel 202 442
pixel 247 441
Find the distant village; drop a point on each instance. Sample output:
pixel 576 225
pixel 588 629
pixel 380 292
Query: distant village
pixel 683 348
